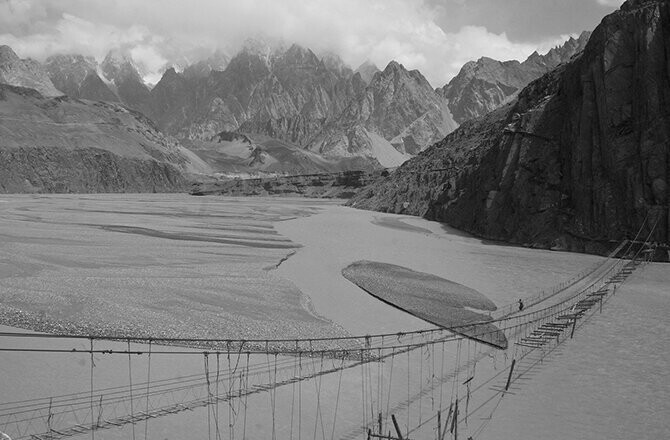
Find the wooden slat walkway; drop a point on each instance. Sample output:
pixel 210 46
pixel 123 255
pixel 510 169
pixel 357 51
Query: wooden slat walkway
pixel 551 331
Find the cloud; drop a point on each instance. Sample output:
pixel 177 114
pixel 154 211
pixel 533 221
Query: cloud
pixel 164 31
pixel 611 3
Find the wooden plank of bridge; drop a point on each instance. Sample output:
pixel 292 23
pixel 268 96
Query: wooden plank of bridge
pixel 547 335
pixel 571 316
pixel 537 338
pixel 598 294
pixel 533 342
pixel 540 332
pixel 528 345
pixel 551 328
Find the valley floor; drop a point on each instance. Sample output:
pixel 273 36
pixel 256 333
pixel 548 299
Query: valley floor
pixel 273 267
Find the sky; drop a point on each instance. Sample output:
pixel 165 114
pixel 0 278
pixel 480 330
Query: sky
pixel 434 36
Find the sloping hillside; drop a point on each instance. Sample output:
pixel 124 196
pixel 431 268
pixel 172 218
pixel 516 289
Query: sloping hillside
pixel 67 145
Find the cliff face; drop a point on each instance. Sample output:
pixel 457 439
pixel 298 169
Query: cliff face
pixel 580 158
pixel 66 145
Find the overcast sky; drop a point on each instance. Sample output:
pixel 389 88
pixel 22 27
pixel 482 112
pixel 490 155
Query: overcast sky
pixel 435 36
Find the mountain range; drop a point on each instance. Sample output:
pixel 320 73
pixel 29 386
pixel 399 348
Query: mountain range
pixel 299 112
pixel 578 160
pixel 291 95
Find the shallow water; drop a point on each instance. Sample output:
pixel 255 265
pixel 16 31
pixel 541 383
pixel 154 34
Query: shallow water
pixel 153 265
pixel 60 255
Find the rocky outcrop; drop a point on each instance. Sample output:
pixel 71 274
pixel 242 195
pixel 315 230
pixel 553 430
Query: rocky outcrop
pixel 24 73
pixel 484 85
pixel 67 145
pixel 77 77
pixel 581 158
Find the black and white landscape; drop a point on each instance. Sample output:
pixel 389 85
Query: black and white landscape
pixel 429 219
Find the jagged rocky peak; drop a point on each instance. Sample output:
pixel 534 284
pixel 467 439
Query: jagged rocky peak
pixel 562 53
pixel 484 85
pixel 262 48
pixel 217 61
pixel 396 73
pixel 170 74
pixel 335 64
pixel 367 70
pixel 7 55
pixel 72 62
pixel 25 73
pixel 299 56
pixel 393 67
pixel 77 76
pixel 170 80
pixel 119 66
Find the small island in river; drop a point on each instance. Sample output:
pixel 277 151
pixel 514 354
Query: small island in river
pixel 436 300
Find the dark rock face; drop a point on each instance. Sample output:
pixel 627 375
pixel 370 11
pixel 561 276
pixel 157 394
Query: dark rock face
pixel 484 85
pixel 581 158
pixel 77 77
pixel 66 145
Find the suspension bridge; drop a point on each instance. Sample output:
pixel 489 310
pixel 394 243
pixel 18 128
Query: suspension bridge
pixel 436 383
